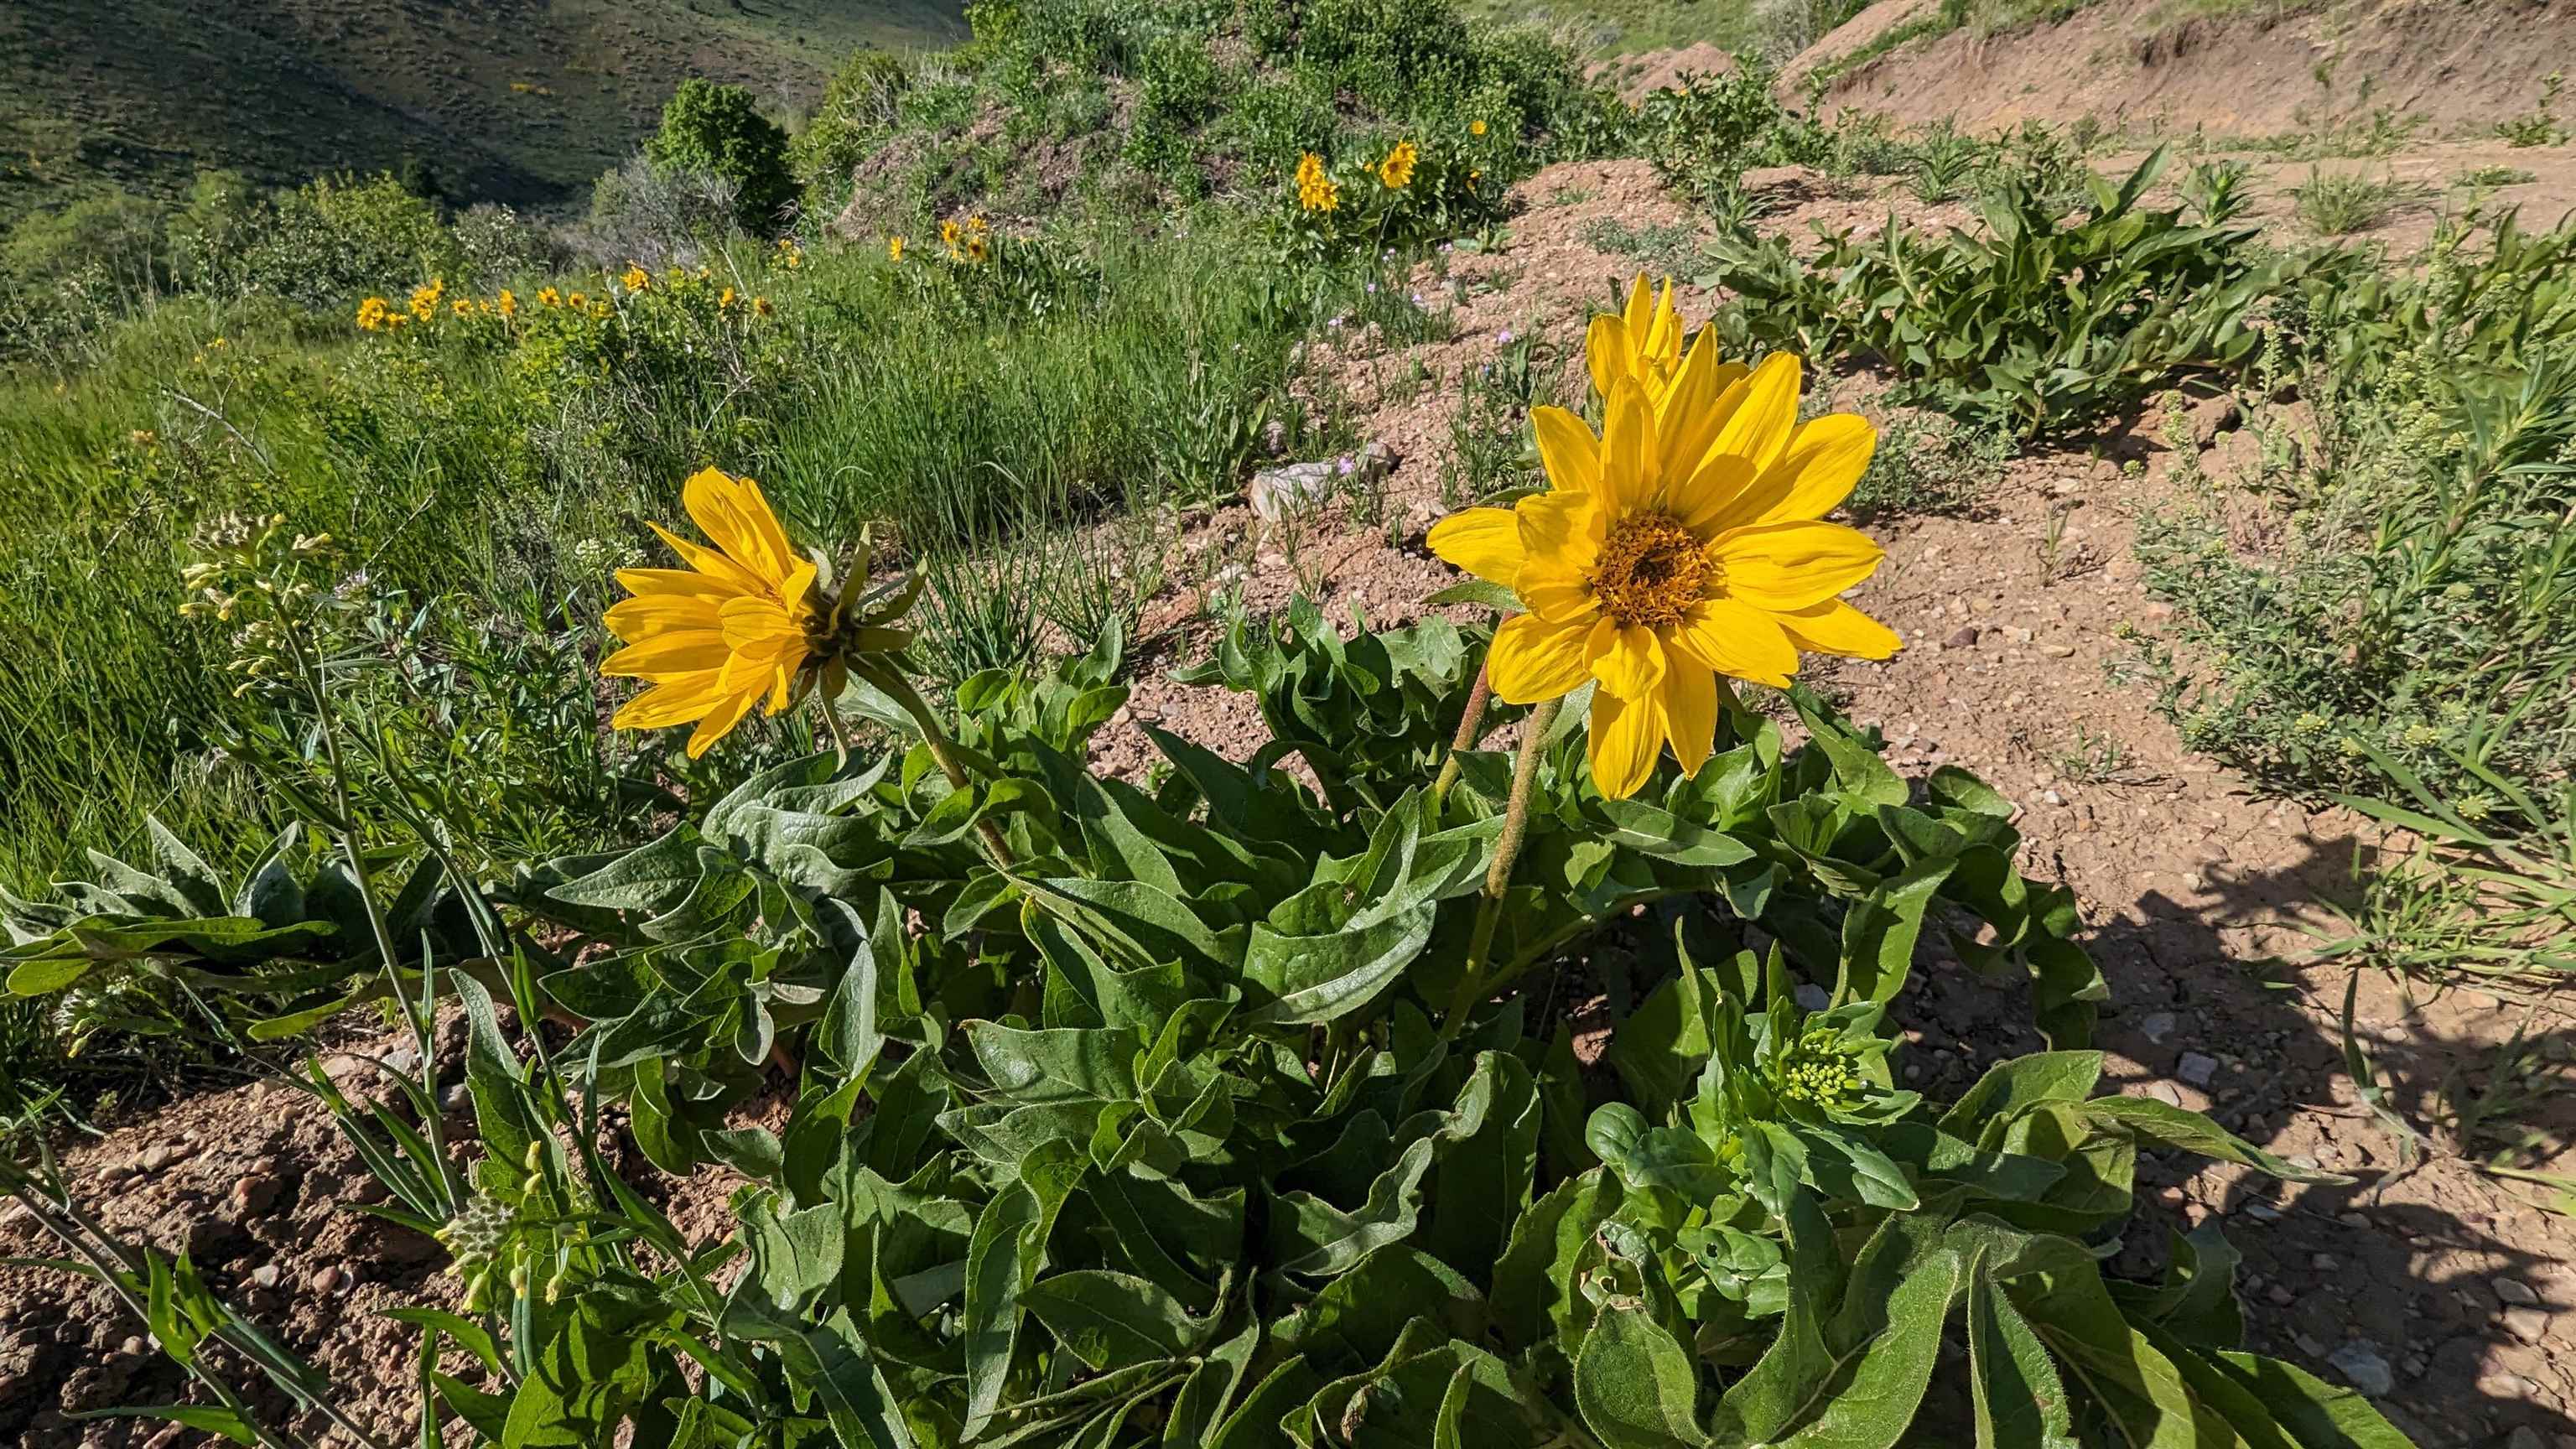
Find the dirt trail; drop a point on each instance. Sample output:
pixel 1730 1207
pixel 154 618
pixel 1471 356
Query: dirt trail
pixel 2440 1290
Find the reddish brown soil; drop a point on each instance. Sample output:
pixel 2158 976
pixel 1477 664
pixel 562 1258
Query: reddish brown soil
pixel 2201 897
pixel 2153 64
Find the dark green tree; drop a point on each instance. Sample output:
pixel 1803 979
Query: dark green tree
pixel 717 129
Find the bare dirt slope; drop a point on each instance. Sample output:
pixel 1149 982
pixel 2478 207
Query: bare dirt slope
pixel 2250 69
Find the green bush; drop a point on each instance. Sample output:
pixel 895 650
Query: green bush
pixel 718 130
pixel 2415 611
pixel 858 105
pixel 332 240
pixel 2033 326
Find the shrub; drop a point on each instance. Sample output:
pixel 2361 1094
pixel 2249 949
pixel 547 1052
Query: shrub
pixel 641 212
pixel 116 235
pixel 859 104
pixel 717 130
pixel 2033 326
pixel 333 239
pixel 2344 203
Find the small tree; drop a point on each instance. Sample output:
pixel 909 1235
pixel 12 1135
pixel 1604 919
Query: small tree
pixel 717 130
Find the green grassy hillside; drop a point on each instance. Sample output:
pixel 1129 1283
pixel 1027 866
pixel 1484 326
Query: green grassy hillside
pixel 514 100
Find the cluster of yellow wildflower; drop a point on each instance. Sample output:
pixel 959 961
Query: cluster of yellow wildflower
pixel 636 278
pixel 790 255
pixel 425 298
pixel 1316 189
pixel 969 243
pixel 377 315
pixel 1396 171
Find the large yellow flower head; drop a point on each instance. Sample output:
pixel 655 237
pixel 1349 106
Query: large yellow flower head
pixel 1681 543
pixel 1396 171
pixel 746 621
pixel 1316 189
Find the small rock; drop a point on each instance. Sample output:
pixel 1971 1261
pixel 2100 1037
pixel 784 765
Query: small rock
pixel 2165 1092
pixel 2515 1293
pixel 133 1344
pixel 2051 797
pixel 404 1059
pixel 266 1275
pixel 2282 1297
pixel 2353 1219
pixel 2524 1437
pixel 328 1280
pixel 2262 1212
pixel 2156 1026
pixel 255 1193
pixel 1963 638
pixel 2197 1069
pixel 2323 1262
pixel 2528 1324
pixel 2157 612
pixel 2058 651
pixel 2363 1368
pixel 1813 997
pixel 2415 1364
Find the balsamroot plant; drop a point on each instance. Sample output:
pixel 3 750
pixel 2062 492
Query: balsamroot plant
pixel 1242 1108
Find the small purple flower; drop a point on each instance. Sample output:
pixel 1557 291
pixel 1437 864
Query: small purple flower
pixel 1504 337
pixel 1372 289
pixel 1336 322
pixel 1417 299
pixel 1344 465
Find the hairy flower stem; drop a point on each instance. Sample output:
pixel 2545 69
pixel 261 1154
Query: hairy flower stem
pixel 1471 728
pixel 833 725
pixel 1498 876
pixel 942 749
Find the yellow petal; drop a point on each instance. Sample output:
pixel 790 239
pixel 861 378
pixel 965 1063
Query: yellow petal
pixel 1606 352
pixel 671 581
pixel 638 619
pixel 1688 418
pixel 1639 312
pixel 1485 542
pixel 723 571
pixel 1557 594
pixel 1824 462
pixel 1561 532
pixel 1628 660
pixel 1627 736
pixel 1629 450
pixel 674 701
pixel 758 626
pixel 1759 429
pixel 720 721
pixel 733 514
pixel 1784 566
pixel 1532 659
pixel 1690 714
pixel 1834 627
pixel 1568 450
pixel 1736 640
pixel 1661 341
pixel 686 651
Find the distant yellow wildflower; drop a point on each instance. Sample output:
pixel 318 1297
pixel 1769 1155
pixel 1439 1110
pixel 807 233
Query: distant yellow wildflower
pixel 1396 171
pixel 724 300
pixel 1316 190
pixel 549 297
pixel 761 306
pixel 894 248
pixel 372 314
pixel 977 250
pixel 425 299
pixel 948 237
pixel 790 254
pixel 462 306
pixel 577 301
pixel 1476 127
pixel 507 304
pixel 636 278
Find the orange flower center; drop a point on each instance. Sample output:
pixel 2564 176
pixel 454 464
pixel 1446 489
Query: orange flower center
pixel 1651 571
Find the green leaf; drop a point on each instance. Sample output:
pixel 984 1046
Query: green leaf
pixel 1881 928
pixel 2163 1123
pixel 205 1418
pixel 1636 1387
pixel 2020 1401
pixel 2317 1414
pixel 1480 593
pixel 1487 1166
pixel 2016 1082
pixel 1111 1320
pixel 1313 1238
pixel 1535 1283
pixel 1875 1398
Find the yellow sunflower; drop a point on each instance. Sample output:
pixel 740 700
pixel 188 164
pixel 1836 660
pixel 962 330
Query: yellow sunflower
pixel 713 638
pixel 1681 543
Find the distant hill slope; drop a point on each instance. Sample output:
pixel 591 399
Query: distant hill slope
pixel 2240 67
pixel 514 100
